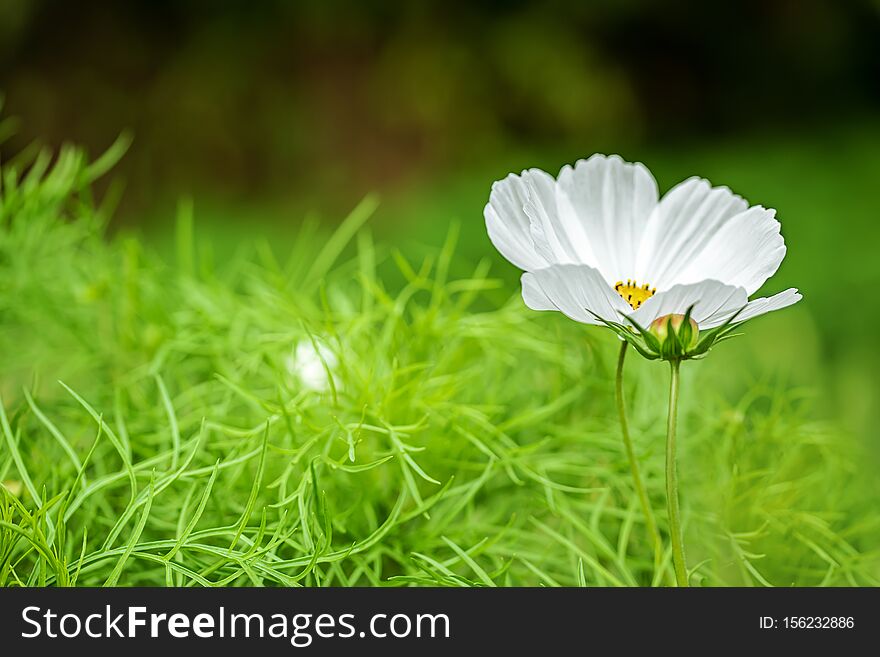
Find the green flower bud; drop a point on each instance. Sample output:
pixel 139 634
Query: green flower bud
pixel 685 337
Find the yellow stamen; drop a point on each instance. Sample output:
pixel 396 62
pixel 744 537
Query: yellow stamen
pixel 633 293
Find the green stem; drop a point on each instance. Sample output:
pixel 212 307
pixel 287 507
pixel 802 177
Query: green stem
pixel 650 522
pixel 678 561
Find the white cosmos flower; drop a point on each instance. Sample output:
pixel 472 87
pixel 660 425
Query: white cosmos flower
pixel 599 239
pixel 307 364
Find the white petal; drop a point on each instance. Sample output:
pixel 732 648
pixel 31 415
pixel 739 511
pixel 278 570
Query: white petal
pixel 507 222
pixel 577 291
pixel 547 229
pixel 758 307
pixel 709 299
pixel 746 251
pixel 680 227
pixel 603 206
pixel 533 295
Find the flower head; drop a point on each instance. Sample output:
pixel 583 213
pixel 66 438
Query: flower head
pixel 677 335
pixel 312 366
pixel 599 245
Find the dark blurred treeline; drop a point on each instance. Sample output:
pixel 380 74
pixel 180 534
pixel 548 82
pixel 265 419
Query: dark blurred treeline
pixel 329 99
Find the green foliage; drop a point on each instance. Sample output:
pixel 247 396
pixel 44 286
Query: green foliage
pixel 350 414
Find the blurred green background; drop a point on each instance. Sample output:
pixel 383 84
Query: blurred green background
pixel 267 113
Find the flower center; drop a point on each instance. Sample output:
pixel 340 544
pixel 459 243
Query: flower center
pixel 633 293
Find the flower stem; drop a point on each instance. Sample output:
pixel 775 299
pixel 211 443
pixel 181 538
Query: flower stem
pixel 650 522
pixel 678 560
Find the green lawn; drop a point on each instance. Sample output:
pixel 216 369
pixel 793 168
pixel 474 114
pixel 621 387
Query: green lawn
pixel 376 406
